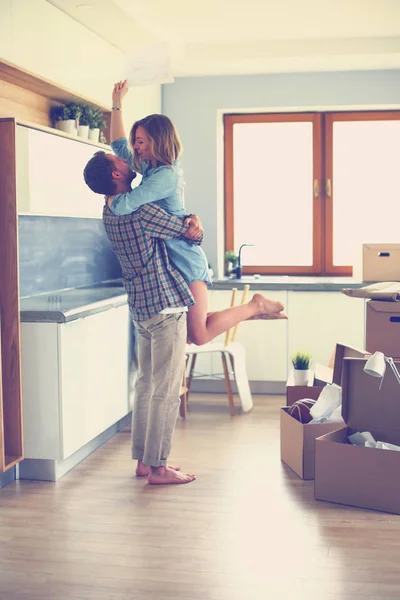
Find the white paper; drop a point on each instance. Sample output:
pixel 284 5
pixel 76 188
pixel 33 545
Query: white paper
pixel 387 446
pixel 329 399
pixel 336 415
pixel 359 439
pixel 147 66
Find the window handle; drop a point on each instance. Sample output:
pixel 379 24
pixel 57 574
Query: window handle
pixel 328 188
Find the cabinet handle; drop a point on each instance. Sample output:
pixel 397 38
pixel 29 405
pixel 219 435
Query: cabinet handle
pixel 328 188
pixel 316 188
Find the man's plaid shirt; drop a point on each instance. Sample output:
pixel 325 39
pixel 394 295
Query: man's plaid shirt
pixel 151 281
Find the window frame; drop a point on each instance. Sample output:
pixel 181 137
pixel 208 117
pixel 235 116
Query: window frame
pixel 323 197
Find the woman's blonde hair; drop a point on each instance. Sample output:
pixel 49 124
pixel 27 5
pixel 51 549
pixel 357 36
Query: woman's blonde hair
pixel 165 144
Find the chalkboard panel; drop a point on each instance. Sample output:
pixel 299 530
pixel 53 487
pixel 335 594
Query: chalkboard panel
pixel 63 252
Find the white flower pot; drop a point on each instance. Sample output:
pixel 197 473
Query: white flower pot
pixel 83 131
pixel 301 377
pixel 94 134
pixel 68 126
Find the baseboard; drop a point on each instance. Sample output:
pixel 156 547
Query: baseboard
pixel 53 470
pixel 7 477
pixel 217 386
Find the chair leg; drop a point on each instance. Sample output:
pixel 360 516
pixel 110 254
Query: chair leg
pixel 190 378
pixel 238 360
pixel 228 384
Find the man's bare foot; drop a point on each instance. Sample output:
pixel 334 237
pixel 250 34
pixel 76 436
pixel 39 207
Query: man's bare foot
pixel 143 470
pixel 264 306
pixel 165 476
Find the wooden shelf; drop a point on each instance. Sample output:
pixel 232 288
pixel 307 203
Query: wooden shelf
pixel 29 98
pixel 23 79
pixel 60 133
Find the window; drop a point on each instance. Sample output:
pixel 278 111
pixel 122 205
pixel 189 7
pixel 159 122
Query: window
pixel 307 189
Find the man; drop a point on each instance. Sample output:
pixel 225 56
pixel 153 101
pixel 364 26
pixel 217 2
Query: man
pixel 158 298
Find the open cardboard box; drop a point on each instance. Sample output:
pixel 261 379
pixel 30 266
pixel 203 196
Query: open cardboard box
pixel 383 327
pixel 354 475
pixel 298 439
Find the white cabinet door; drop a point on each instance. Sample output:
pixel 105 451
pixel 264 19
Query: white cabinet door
pixel 40 390
pixel 50 175
pixel 319 320
pixel 93 375
pixel 265 341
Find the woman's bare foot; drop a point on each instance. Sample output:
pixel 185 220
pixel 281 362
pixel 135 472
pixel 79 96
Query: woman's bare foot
pixel 264 306
pixel 166 476
pixel 143 470
pixel 279 315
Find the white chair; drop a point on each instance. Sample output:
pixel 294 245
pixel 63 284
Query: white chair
pixel 232 353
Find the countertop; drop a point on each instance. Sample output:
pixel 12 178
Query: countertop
pixel 287 282
pixel 63 306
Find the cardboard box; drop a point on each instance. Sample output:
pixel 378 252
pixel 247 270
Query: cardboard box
pixel 354 475
pixel 383 327
pixel 298 439
pixel 381 262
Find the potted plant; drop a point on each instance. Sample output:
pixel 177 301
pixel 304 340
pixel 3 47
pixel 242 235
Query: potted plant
pixel 301 364
pixel 84 121
pixel 65 117
pixel 96 123
pixel 232 259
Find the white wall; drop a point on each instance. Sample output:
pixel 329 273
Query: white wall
pixel 196 105
pixel 38 37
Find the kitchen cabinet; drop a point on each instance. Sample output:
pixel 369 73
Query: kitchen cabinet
pixel 74 382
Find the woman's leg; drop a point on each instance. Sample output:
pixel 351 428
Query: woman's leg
pixel 204 327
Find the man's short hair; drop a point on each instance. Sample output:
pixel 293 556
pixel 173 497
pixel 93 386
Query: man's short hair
pixel 98 174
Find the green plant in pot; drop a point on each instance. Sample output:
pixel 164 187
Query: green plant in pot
pixel 301 362
pixel 85 121
pixel 231 259
pixel 96 123
pixel 65 117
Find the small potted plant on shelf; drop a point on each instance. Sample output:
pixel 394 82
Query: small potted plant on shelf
pixel 301 367
pixel 66 117
pixel 96 123
pixel 84 121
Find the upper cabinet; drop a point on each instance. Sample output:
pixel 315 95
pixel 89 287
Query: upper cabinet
pixel 49 175
pixel 48 163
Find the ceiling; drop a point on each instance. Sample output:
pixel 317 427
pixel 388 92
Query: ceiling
pixel 220 37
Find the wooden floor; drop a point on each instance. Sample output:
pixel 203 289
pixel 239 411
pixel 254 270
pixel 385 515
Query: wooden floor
pixel 247 529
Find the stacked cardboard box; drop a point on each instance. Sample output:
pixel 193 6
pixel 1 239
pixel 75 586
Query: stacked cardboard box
pixel 383 327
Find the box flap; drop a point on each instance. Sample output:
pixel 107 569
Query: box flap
pixel 341 351
pixel 364 406
pixel 322 374
pixel 387 306
pixel 381 247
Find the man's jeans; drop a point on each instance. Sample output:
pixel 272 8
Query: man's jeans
pixel 162 344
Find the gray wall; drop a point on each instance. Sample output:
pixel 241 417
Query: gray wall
pixel 196 105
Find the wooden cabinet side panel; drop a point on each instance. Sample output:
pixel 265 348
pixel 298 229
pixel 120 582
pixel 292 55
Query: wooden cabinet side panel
pixel 11 443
